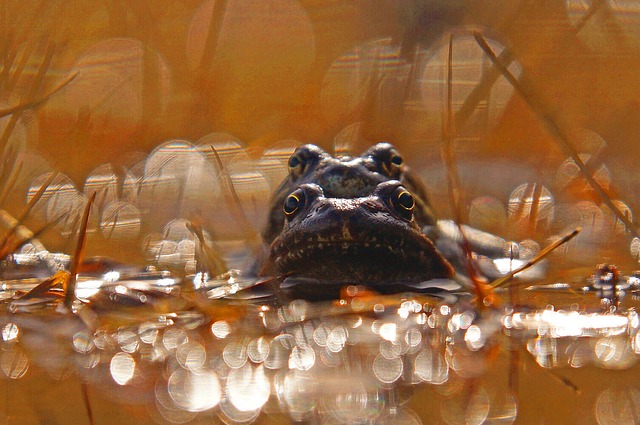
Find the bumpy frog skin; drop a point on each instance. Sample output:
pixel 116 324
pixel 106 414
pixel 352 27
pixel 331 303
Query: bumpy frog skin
pixel 346 219
pixel 372 238
pixel 346 178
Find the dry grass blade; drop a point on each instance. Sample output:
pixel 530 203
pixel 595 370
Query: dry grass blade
pixel 87 404
pixel 565 381
pixel 541 255
pixel 594 7
pixel 49 225
pixel 23 106
pixel 480 92
pixel 35 86
pixel 209 259
pixel 78 256
pixel 28 21
pixel 7 161
pixel 453 182
pixel 18 234
pixel 9 55
pixel 449 131
pixel 213 36
pixel 42 71
pixel 560 135
pixel 36 197
pixel 39 38
pixel 12 80
pixel 525 210
pixel 109 94
pixel 60 278
pixel 250 233
pixel 11 182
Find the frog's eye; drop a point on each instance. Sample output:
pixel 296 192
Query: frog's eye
pixel 294 203
pixel 387 159
pixel 304 157
pixel 295 162
pixel 396 160
pixel 403 203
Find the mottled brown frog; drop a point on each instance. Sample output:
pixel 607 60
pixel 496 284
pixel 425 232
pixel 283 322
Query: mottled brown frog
pixel 367 219
pixel 347 177
pixel 373 238
pixel 353 219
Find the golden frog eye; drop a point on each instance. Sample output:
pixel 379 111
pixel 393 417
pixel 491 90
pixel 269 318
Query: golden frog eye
pixel 294 203
pixel 403 203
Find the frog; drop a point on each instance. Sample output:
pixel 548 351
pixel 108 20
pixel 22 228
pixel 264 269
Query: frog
pixel 363 219
pixel 372 238
pixel 346 177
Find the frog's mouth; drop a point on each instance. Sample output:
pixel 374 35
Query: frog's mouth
pixel 374 258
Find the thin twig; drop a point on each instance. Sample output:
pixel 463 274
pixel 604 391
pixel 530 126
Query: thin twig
pixel 78 256
pixel 20 107
pixel 85 396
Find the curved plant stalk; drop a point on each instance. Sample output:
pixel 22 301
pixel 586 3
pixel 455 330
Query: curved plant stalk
pixel 78 256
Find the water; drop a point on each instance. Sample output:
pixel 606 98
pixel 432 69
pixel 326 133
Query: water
pixel 155 347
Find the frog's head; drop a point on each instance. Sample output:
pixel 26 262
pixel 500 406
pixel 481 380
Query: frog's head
pixel 367 238
pixel 347 178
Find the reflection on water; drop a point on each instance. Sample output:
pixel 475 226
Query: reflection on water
pixel 361 359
